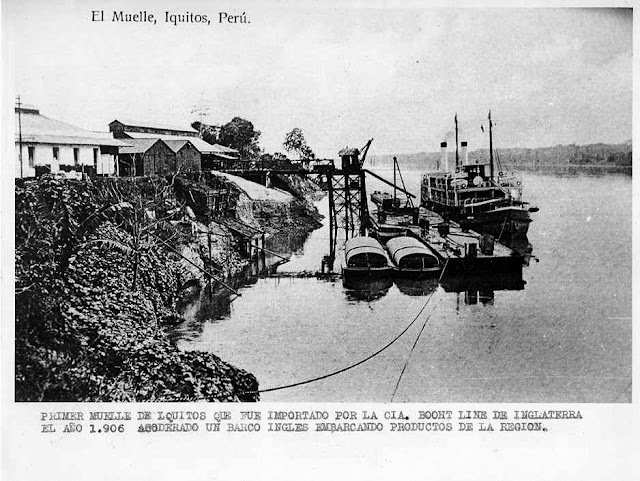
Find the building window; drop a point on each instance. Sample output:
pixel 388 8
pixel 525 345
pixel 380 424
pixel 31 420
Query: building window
pixel 32 156
pixel 95 159
pixel 56 153
pixel 76 155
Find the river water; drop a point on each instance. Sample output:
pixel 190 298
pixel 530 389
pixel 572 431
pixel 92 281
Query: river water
pixel 564 335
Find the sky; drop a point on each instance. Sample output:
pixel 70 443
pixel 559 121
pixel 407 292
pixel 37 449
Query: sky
pixel 343 76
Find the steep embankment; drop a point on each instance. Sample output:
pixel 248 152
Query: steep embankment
pixel 97 276
pixel 101 266
pixel 285 209
pixel 285 206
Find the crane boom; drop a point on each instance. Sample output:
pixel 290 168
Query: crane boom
pixel 364 151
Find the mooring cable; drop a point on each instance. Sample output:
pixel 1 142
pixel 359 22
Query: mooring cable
pixel 362 361
pixel 415 343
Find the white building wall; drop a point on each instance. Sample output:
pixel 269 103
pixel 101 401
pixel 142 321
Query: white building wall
pixel 107 164
pixel 25 171
pixel 43 155
pixel 85 154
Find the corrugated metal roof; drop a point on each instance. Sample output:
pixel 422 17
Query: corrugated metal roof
pixel 153 125
pixel 348 151
pixel 176 145
pixel 139 146
pixel 41 129
pixel 28 108
pixel 224 156
pixel 200 144
pixel 224 149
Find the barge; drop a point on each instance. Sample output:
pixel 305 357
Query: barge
pixel 364 260
pixel 467 252
pixel 412 258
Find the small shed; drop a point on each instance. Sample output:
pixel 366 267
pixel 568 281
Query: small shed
pixel 212 156
pixel 250 239
pixel 146 157
pixel 350 158
pixel 188 157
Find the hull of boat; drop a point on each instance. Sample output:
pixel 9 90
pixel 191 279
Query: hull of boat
pixel 362 278
pixel 503 223
pixel 417 274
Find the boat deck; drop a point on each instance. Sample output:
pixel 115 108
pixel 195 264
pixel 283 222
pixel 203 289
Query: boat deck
pixel 455 249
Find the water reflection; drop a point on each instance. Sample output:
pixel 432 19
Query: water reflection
pixel 481 288
pixel 416 287
pixel 213 303
pixel 521 246
pixel 201 305
pixel 287 241
pixel 478 289
pixel 367 290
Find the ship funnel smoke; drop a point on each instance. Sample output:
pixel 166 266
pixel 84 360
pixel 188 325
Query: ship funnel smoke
pixel 444 158
pixel 465 153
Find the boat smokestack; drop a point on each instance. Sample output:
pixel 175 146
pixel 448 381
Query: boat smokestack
pixel 465 153
pixel 444 158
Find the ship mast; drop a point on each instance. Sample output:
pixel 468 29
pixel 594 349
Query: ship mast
pixel 490 146
pixel 456 121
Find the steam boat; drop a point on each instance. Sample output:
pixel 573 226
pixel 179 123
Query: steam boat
pixel 471 194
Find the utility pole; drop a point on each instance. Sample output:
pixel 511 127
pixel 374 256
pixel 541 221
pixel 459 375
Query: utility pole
pixel 19 106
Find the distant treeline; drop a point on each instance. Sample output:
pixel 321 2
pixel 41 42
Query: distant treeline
pixel 618 155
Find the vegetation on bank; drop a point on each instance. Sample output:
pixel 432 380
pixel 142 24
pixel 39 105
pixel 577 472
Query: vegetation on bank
pixel 96 281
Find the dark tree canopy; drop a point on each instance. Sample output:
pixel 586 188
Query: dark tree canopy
pixel 207 132
pixel 240 134
pixel 295 142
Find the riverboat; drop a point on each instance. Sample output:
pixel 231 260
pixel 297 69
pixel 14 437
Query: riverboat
pixel 364 260
pixel 412 258
pixel 475 196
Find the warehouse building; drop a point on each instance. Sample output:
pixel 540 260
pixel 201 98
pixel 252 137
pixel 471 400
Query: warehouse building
pixel 45 145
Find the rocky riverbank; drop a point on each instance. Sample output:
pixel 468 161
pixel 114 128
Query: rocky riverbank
pixel 100 268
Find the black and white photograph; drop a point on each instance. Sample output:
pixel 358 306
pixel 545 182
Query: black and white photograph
pixel 305 203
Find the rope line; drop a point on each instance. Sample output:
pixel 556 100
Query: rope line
pixel 362 361
pixel 415 343
pixel 502 230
